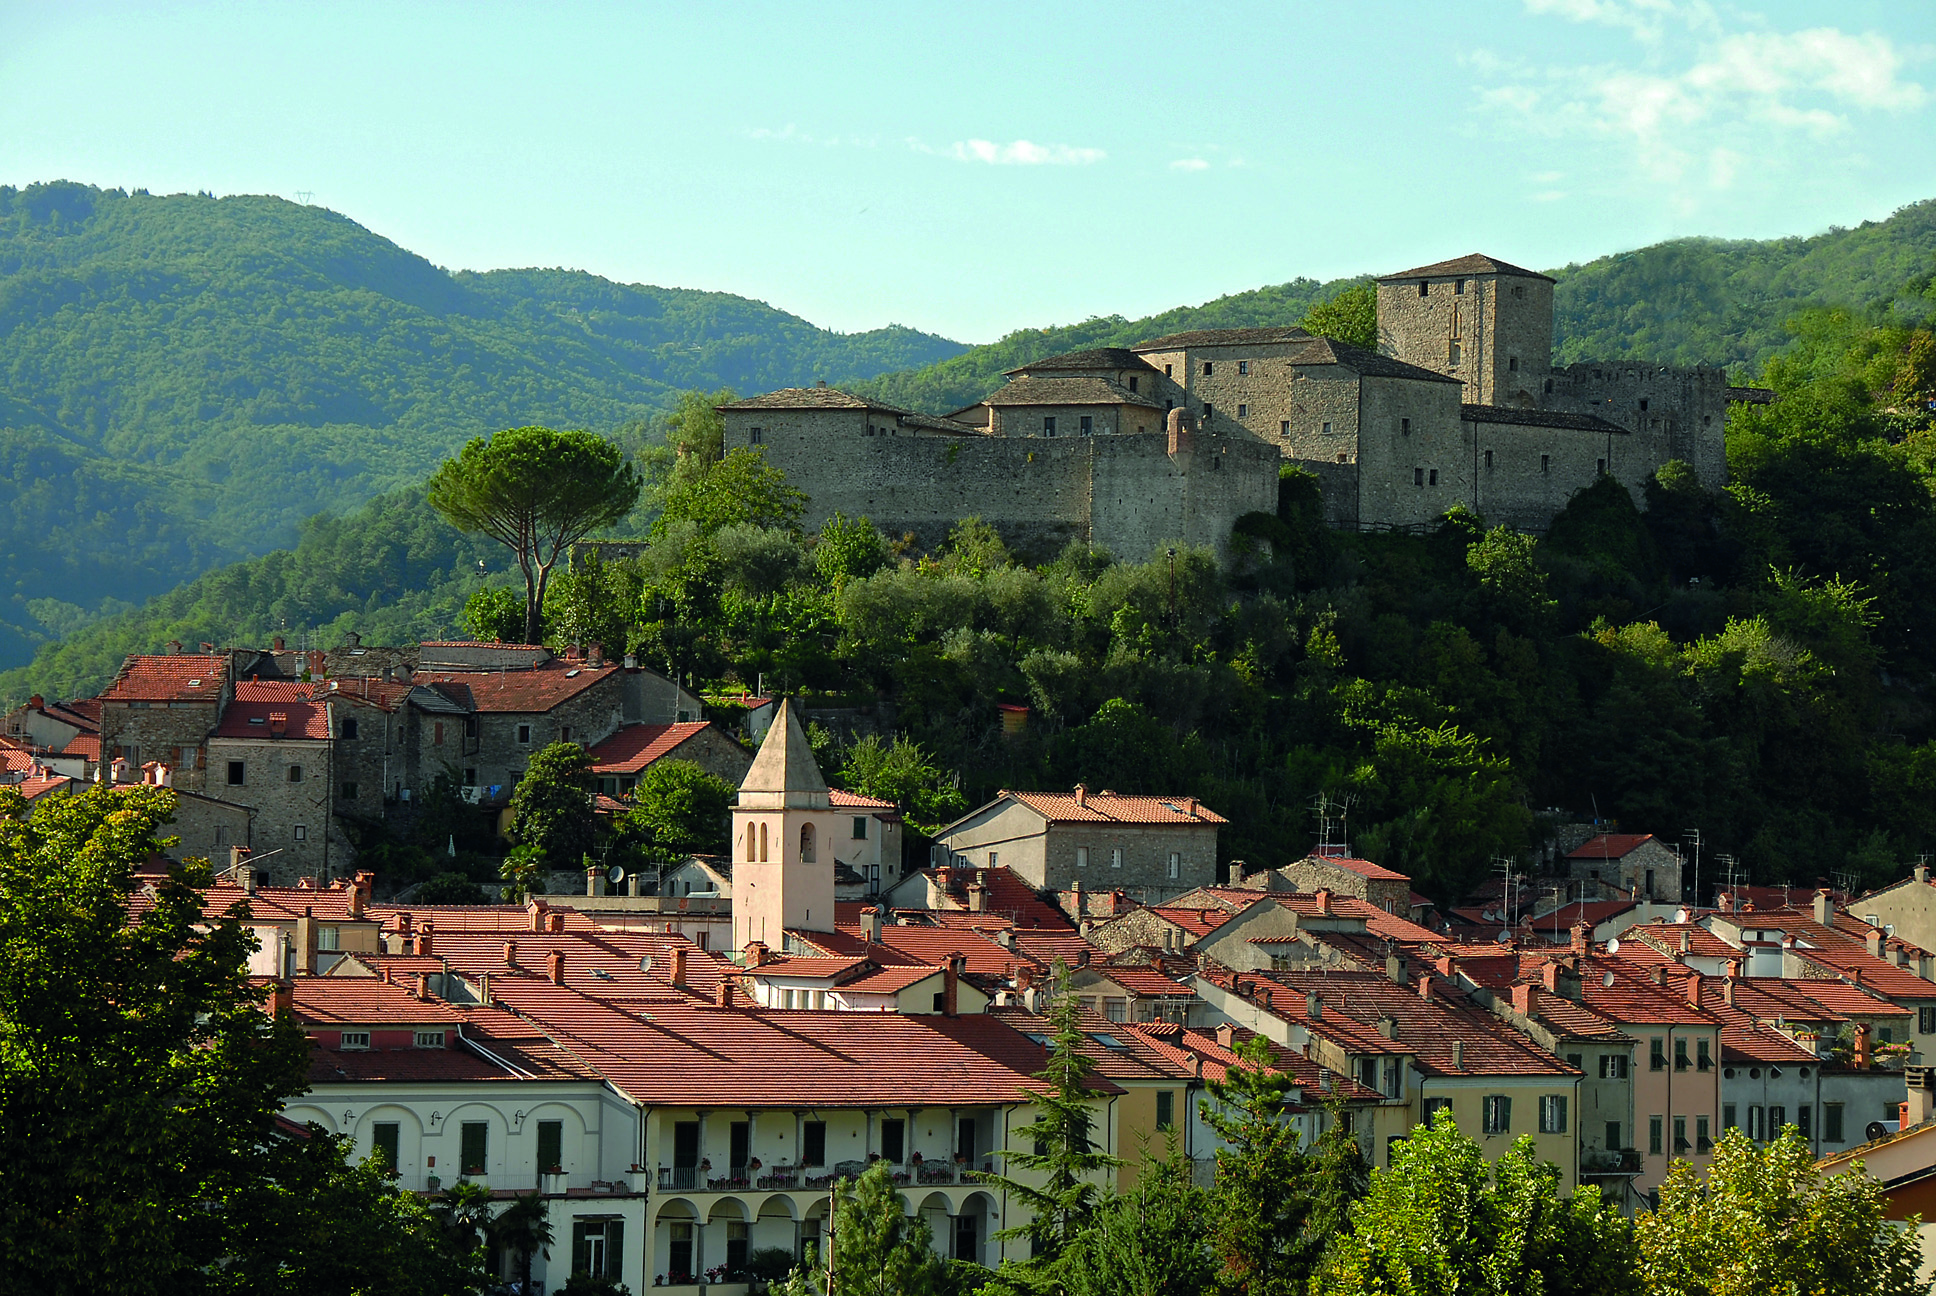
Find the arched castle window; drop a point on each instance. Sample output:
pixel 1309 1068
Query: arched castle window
pixel 806 844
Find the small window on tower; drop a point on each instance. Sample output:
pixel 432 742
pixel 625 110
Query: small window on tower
pixel 1518 290
pixel 1048 425
pixel 1549 386
pixel 1458 288
pixel 1600 466
pixel 1643 404
pixel 1424 289
pixel 1206 369
pixel 1546 463
pixel 1284 427
pixel 1432 478
pixel 1405 426
pixel 1452 353
pixel 1327 429
pixel 1418 476
pixel 1132 382
pixel 755 436
pixel 1243 411
pixel 1087 424
pixel 1166 371
pixel 1512 364
pixel 1243 368
pixel 1488 460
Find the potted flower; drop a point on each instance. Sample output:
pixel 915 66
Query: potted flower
pixel 915 1160
pixel 754 1164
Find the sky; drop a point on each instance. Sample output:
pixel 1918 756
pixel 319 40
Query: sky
pixel 970 169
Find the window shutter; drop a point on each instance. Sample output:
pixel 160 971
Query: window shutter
pixel 581 1258
pixel 614 1248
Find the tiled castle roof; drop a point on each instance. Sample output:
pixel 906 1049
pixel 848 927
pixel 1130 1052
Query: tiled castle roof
pixel 1473 263
pixel 1066 391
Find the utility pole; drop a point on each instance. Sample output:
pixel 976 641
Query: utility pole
pixel 1172 590
pixel 1693 835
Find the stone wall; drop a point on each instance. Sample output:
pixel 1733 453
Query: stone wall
pixel 174 733
pixel 1413 463
pixel 208 827
pixel 1104 420
pixel 1672 413
pixel 287 784
pixel 1502 325
pixel 1534 470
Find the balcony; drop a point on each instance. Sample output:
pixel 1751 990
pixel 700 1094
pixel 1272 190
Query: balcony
pixel 782 1178
pixel 1609 1162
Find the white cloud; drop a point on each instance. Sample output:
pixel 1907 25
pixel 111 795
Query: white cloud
pixel 1019 152
pixel 1733 96
pixel 1190 164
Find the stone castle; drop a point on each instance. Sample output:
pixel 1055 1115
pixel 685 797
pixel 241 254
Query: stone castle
pixel 1176 438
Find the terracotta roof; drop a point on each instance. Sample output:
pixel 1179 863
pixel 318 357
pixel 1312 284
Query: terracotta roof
pixel 364 1001
pixel 1315 1082
pixel 1745 1039
pixel 36 786
pixel 1839 950
pixel 1119 1053
pixel 1197 922
pixel 1110 807
pixel 268 904
pixel 1635 998
pixel 86 745
pixel 1472 263
pixel 1561 921
pixel 534 689
pixel 1611 846
pixel 1668 939
pixel 1362 867
pixel 843 800
pixel 1540 418
pixel 1066 391
pixel 1094 358
pixel 1840 998
pixel 257 690
pixel 1144 982
pixel 1004 895
pixel 636 746
pixel 306 721
pixel 875 979
pixel 169 678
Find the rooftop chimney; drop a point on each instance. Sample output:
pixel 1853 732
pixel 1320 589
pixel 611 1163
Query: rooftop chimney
pixel 423 985
pixel 1524 997
pixel 870 923
pixel 1580 934
pixel 756 954
pixel 555 921
pixel 951 986
pixel 977 897
pixel 1324 901
pixel 678 973
pixel 1395 968
pixel 1314 1006
pixel 534 909
pixel 1226 1036
pixel 1694 990
pixel 1862 1046
pixel 1425 985
pixel 1875 939
pixel 1824 908
pixel 1458 1055
pixel 1922 872
pixel 353 899
pixel 723 993
pixel 555 966
pixel 510 953
pixel 422 947
pixel 282 998
pixel 276 644
pixel 1082 795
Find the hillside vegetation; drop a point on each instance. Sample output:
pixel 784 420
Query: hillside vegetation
pixel 184 379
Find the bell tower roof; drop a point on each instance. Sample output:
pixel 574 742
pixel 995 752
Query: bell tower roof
pixel 784 774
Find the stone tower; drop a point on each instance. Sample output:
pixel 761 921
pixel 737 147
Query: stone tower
pixel 1477 319
pixel 783 826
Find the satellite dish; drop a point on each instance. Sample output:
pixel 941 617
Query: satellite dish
pixel 1874 1130
pixel 616 875
pixel 645 963
pixel 1888 929
pixel 1613 945
pixel 1607 981
pixel 1504 938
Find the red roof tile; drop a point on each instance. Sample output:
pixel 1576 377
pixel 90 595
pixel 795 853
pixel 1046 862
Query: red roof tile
pixel 534 690
pixel 843 800
pixel 277 721
pixel 1315 1082
pixel 1611 846
pixel 180 677
pixel 1109 807
pixel 86 745
pixel 1144 982
pixel 40 785
pixel 1363 868
pixel 258 690
pixel 636 746
pixel 364 1001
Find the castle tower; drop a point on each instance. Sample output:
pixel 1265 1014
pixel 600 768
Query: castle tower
pixel 783 840
pixel 1474 318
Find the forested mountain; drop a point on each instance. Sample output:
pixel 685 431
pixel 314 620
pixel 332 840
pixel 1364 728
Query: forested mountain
pixel 184 379
pixel 1689 301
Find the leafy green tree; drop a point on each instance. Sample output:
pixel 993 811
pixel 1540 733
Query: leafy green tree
pixel 493 615
pixel 1350 317
pixel 878 1249
pixel 677 809
pixel 1148 1241
pixel 551 808
pixel 1259 1202
pixel 1765 1219
pixel 451 888
pixel 537 492
pixel 848 550
pixel 903 772
pixel 1441 1221
pixel 741 489
pixel 1059 1156
pixel 139 1099
pixel 522 872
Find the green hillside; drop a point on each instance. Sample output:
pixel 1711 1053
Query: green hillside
pixel 1690 301
pixel 184 379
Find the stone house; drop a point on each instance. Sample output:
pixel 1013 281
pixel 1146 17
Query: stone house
pixel 1633 866
pixel 271 752
pixel 1341 875
pixel 163 708
pixel 620 760
pixel 1151 847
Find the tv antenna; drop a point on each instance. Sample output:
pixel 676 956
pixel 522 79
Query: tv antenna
pixel 304 195
pixel 1327 811
pixel 1693 836
pixel 1729 862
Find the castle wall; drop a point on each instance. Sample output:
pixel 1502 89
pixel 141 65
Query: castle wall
pixel 1396 484
pixel 1536 470
pixel 1673 413
pixel 1105 420
pixel 1323 414
pixel 1143 496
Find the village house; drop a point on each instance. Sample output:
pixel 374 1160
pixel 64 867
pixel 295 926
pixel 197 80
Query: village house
pixel 620 760
pixel 1340 875
pixel 1150 847
pixel 1626 866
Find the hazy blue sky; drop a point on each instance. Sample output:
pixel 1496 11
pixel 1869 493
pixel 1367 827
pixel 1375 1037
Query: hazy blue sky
pixel 973 168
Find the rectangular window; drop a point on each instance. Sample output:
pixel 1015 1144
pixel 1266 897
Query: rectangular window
pixel 1600 466
pixel 860 827
pixel 475 1141
pixel 598 1248
pixel 1405 426
pixel 1206 368
pixel 1552 1114
pixel 965 1137
pixel 1680 1055
pixel 1488 461
pixel 1777 1119
pixel 1048 425
pixel 994 859
pixel 1831 1122
pixel 524 734
pixel 295 773
pixel 1546 463
pixel 1115 1009
pixel 1243 410
pixel 353 1040
pixel 1804 1121
pixel 1887 1034
pixel 1926 1021
pixel 470 777
pixel 1702 1142
pixel 1703 1060
pixel 1208 410
pixel 1132 382
pixel 894 1141
pixel 235 773
pixel 1681 1145
pixel 1728 1117
pixel 551 1146
pixel 1243 368
pixel 1452 353
pixel 1657 1054
pixel 1497 1112
pixel 1577 1062
pixel 327 937
pixel 1432 478
pixel 1165 1109
pixel 302 832
pixel 1433 1106
pixel 437 734
pixel 1643 404
pixel 1284 428
pixel 1082 857
pixel 813 1146
pixel 1613 1136
pixel 1423 289
pixel 1512 364
pixel 349 791
pixel 755 436
pixel 1755 1128
pixel 1176 865
pixel 1458 288
pixel 1418 476
pixel 1327 429
pixel 383 1143
pixel 1115 857
pixel 1368 1072
pixel 429 1039
pixel 1653 1135
pixel 1613 1066
pixel 1087 424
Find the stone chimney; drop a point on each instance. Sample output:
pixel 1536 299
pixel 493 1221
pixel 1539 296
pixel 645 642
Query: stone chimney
pixel 353 899
pixel 1177 426
pixel 1524 999
pixel 1862 1058
pixel 1694 990
pixel 555 966
pixel 534 910
pixel 756 954
pixel 510 953
pixel 1395 968
pixel 1314 1006
pixel 1458 1055
pixel 245 875
pixel 977 898
pixel 870 923
pixel 555 921
pixel 1082 795
pixel 678 973
pixel 1226 1036
pixel 423 947
pixel 1874 941
pixel 1824 908
pixel 951 984
pixel 1549 975
pixel 723 993
pixel 423 985
pixel 1425 986
pixel 1921 1105
pixel 282 998
pixel 306 942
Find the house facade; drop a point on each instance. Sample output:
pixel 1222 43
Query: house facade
pixel 1148 846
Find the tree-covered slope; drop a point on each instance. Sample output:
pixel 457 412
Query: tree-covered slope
pixel 212 372
pixel 1690 301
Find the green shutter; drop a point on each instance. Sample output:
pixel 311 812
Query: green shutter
pixel 474 1146
pixel 383 1140
pixel 614 1249
pixel 580 1253
pixel 551 1145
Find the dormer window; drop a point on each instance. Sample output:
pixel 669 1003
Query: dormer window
pixel 430 1039
pixel 353 1040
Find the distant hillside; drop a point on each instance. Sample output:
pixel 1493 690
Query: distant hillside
pixel 184 379
pixel 1691 301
